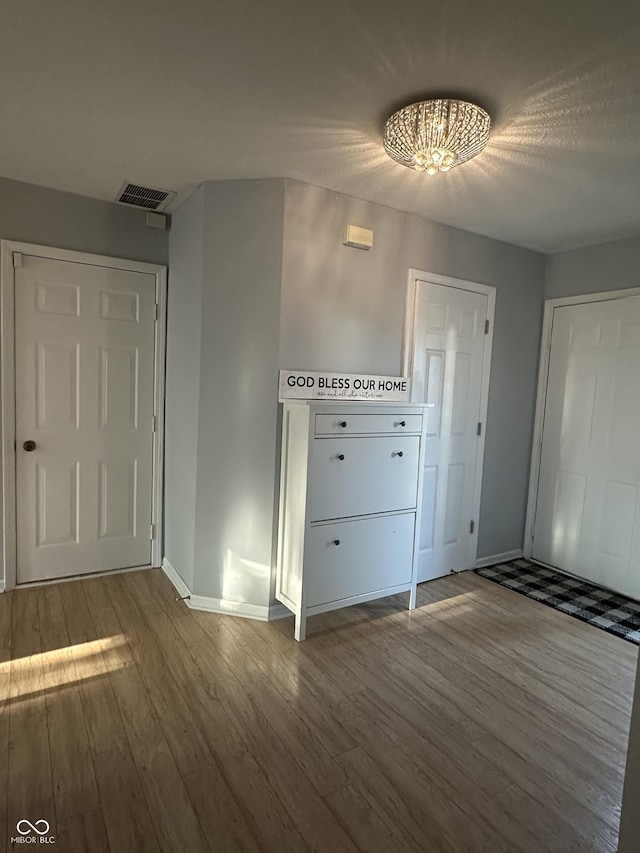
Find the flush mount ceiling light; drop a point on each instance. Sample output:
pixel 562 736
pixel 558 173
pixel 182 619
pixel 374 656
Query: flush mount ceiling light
pixel 434 136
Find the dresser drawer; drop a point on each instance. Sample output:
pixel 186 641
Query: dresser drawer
pixel 358 557
pixel 346 424
pixel 362 476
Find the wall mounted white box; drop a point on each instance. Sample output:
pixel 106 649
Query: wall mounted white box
pixel 350 489
pixel 155 220
pixel 358 238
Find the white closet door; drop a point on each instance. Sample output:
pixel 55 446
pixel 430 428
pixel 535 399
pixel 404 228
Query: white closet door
pixel 84 398
pixel 588 513
pixel 449 342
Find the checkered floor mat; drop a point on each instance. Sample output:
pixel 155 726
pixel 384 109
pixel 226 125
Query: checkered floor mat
pixel 600 607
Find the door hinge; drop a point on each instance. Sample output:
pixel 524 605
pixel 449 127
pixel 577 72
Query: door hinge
pixel 486 327
pixel 154 424
pixel 156 310
pixel 479 428
pixel 17 259
pixel 152 532
pixel 472 526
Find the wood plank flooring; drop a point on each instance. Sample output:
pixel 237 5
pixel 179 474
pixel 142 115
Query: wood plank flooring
pixel 481 721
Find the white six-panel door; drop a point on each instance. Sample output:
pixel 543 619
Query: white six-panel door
pixel 588 509
pixel 448 354
pixel 84 356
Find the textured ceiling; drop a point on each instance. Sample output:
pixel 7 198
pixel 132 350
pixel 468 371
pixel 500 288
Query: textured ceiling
pixel 174 92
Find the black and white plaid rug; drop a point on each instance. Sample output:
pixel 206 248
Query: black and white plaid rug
pixel 614 613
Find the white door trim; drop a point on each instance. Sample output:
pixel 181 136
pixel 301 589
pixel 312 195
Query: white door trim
pixel 8 387
pixel 407 363
pixel 541 399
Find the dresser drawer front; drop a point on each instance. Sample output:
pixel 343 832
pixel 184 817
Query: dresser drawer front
pixel 372 554
pixel 346 424
pixel 362 476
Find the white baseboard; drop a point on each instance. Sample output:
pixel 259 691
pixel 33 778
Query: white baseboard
pixel 499 558
pixel 226 607
pixel 2 585
pixel 223 606
pixel 175 579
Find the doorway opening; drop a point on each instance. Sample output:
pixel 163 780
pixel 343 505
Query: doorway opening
pixel 83 341
pixel 584 497
pixel 447 353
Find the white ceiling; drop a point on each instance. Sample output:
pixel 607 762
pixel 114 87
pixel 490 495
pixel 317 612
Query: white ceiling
pixel 174 92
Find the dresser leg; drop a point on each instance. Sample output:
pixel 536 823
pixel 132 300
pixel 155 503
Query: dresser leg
pixel 413 596
pixel 301 627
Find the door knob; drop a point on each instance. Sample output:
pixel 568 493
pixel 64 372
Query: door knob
pixel 29 446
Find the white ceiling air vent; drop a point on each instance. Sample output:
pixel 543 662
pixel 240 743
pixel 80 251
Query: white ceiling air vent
pixel 149 198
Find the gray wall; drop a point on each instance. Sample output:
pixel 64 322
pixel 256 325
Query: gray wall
pixel 609 266
pixel 184 311
pixel 47 217
pixel 343 309
pixel 259 279
pixel 222 388
pixel 52 218
pixel 239 389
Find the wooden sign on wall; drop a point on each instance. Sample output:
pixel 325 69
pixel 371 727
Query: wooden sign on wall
pixel 308 385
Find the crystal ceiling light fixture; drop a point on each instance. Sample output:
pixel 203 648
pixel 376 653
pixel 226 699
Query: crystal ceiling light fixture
pixel 434 136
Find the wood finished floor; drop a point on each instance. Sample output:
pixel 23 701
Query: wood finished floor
pixel 480 722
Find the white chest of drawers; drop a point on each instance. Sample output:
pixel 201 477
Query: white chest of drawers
pixel 350 488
